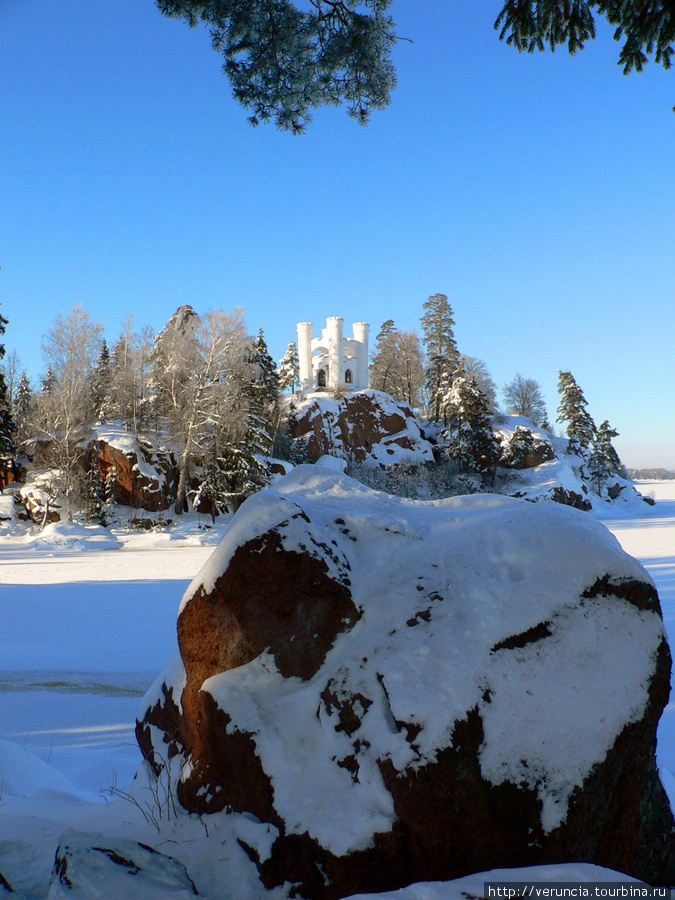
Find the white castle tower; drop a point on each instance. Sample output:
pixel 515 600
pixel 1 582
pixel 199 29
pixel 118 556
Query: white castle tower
pixel 333 361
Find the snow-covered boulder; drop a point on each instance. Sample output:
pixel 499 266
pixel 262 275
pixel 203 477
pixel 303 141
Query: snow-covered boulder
pixel 94 865
pixel 42 496
pixel 401 691
pixel 368 426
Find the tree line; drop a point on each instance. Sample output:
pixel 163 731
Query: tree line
pixel 202 386
pixel 210 392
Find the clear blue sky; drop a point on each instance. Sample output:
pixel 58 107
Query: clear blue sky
pixel 537 192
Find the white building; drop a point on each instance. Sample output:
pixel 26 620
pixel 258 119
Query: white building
pixel 333 361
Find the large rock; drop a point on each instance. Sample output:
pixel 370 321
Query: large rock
pixel 368 426
pixel 144 476
pixel 415 691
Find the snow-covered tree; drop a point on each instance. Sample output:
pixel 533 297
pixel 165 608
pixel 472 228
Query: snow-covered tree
pixel 23 406
pixel 12 367
pixel 468 435
pixel 64 409
pixel 101 382
pixel 130 376
pixel 289 368
pixel 603 460
pixel 174 358
pixel 7 424
pixel 208 409
pixel 580 428
pixel 441 348
pixel 519 448
pixel 93 497
pixel 523 397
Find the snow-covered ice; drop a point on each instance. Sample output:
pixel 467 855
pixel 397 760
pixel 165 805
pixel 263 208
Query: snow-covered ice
pixel 83 634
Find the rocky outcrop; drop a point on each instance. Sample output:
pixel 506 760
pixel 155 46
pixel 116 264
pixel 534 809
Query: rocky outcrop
pixel 143 476
pixel 408 692
pixel 523 449
pixel 367 426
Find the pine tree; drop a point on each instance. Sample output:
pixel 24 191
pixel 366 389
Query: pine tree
pixel 289 368
pixel 442 354
pixel 572 409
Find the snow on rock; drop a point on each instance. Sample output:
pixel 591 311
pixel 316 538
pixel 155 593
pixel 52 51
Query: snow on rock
pixel 73 536
pixel 143 474
pixel 42 496
pixel 95 865
pixel 369 426
pixel 553 474
pixel 408 691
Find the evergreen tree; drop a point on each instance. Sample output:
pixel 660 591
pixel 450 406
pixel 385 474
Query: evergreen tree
pixel 101 381
pixel 289 368
pixel 49 381
pixel 469 433
pixel 604 450
pixel 93 497
pixel 572 409
pixel 242 465
pixel 442 354
pixel 285 59
pixel 23 406
pixel 7 424
pixel 268 379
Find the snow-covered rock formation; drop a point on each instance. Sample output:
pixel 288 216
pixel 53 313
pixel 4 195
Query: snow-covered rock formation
pixel 368 426
pixel 397 691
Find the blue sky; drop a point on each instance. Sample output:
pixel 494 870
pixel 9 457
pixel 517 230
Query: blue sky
pixel 536 191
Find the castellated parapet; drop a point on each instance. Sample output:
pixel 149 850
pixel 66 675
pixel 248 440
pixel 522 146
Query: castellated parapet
pixel 333 361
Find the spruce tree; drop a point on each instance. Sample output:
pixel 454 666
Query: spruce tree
pixel 101 381
pixel 605 449
pixel 442 354
pixel 23 405
pixel 93 496
pixel 572 409
pixel 289 369
pixel 469 433
pixel 49 381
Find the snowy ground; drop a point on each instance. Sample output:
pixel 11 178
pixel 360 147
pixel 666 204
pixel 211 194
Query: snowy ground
pixel 84 631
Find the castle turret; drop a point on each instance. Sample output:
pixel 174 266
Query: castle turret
pixel 360 330
pixel 305 374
